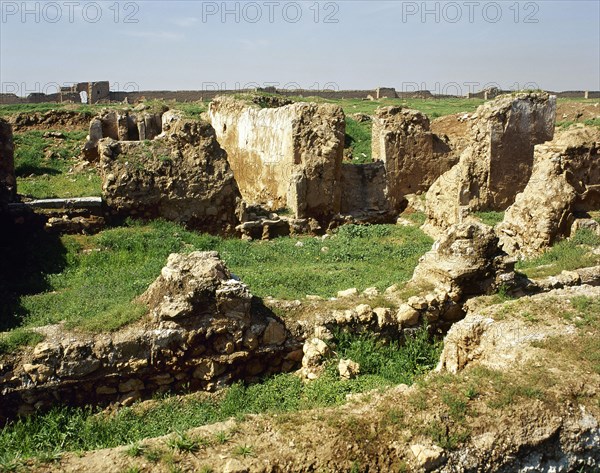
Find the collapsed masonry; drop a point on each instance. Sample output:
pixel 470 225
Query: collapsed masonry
pixel 564 184
pixel 182 175
pixel 497 163
pixel 204 330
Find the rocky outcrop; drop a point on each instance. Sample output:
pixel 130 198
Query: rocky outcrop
pixel 183 176
pixel 464 263
pixel 414 157
pixel 284 157
pixel 497 164
pixel 139 124
pixel 8 182
pixel 565 181
pixel 204 329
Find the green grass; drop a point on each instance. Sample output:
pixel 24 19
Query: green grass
pixel 80 429
pixel 431 107
pixel 43 166
pixel 490 218
pixel 12 109
pixel 19 337
pixel 569 123
pixel 566 255
pixel 99 276
pixel 358 140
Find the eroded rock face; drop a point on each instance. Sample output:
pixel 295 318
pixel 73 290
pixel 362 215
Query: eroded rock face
pixel 565 180
pixel 414 157
pixel 287 156
pixel 204 330
pixel 183 176
pixel 8 182
pixel 465 262
pixel 497 163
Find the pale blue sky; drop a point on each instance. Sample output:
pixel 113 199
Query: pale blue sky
pixel 189 45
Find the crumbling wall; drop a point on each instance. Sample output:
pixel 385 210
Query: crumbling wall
pixel 139 124
pixel 204 330
pixel 497 163
pixel 364 191
pixel 284 157
pixel 413 156
pixel 8 182
pixel 182 176
pixel 565 181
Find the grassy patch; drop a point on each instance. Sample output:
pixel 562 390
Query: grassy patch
pixel 45 166
pixel 358 140
pixel 490 218
pixel 14 339
pixel 72 429
pixel 101 275
pixel 566 255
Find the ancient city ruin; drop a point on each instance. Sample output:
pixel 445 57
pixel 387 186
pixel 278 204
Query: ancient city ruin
pixel 262 167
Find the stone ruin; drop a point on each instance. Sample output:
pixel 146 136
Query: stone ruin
pixel 564 184
pixel 141 123
pixel 413 156
pixel 284 157
pixel 203 330
pixel 8 182
pixel 497 163
pixel 182 175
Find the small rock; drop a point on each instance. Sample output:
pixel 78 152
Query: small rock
pixel 131 385
pixel 274 333
pixel 428 456
pixel 364 313
pixel 348 369
pixel 407 315
pixel 384 316
pixel 417 302
pixel 352 292
pixel 315 350
pixel 371 292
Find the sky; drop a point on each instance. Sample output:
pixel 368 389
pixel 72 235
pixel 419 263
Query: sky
pixel 444 46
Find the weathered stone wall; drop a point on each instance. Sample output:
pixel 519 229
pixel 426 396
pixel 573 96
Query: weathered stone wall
pixel 565 181
pixel 364 191
pixel 8 182
pixel 413 156
pixel 204 330
pixel 182 176
pixel 139 124
pixel 498 162
pixel 287 156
